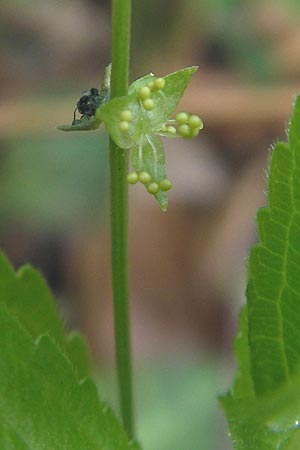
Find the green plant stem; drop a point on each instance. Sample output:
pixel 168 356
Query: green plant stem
pixel 121 13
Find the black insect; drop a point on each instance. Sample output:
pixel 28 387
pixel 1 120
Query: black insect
pixel 87 106
pixel 88 103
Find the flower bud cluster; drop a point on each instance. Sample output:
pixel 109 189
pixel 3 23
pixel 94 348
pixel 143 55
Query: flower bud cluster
pixel 125 119
pixel 152 186
pixel 144 92
pixel 188 125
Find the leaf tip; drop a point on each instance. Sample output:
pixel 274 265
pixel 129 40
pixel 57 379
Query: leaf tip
pixel 63 127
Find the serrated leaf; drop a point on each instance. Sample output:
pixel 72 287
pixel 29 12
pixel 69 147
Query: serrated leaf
pixel 77 350
pixel 268 416
pixel 27 296
pixel 274 286
pixel 42 404
pixel 243 384
pixel 267 422
pixel 149 156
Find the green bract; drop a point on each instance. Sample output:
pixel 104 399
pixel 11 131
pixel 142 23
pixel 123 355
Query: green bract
pixel 47 400
pixel 263 407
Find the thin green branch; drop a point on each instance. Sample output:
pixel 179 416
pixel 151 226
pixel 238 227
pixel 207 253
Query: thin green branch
pixel 121 13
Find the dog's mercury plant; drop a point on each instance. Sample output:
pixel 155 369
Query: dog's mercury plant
pixel 47 399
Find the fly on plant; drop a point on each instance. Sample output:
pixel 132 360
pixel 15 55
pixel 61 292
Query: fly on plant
pixel 87 106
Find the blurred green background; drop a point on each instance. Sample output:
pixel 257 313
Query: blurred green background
pixel 188 265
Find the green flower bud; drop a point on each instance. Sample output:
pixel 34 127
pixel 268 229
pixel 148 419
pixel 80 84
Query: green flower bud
pixel 184 130
pixel 195 121
pixel 153 188
pixel 195 132
pixel 171 129
pixel 144 92
pixel 150 84
pixel 124 125
pixel 159 83
pixel 132 178
pixel 165 185
pixel 144 177
pixel 182 117
pixel 148 104
pixel 126 115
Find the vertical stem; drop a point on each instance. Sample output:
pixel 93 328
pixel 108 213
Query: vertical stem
pixel 121 12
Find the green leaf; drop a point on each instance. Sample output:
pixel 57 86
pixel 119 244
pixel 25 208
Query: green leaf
pixel 271 421
pixel 149 157
pixel 251 420
pixel 27 297
pixel 263 408
pixel 274 286
pixel 85 123
pixel 243 385
pixel 77 350
pixel 42 404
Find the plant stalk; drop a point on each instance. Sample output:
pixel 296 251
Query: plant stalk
pixel 121 18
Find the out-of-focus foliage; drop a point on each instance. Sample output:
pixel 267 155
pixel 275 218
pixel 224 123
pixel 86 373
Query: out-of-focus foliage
pixel 249 38
pixel 168 402
pixel 235 35
pixel 54 182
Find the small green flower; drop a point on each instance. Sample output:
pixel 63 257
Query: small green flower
pixel 132 178
pixel 148 104
pixel 159 83
pixel 124 125
pixel 126 115
pixel 195 121
pixel 144 177
pixel 138 121
pixel 182 117
pixel 153 188
pixel 144 92
pixel 151 102
pixel 165 185
pixel 184 130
